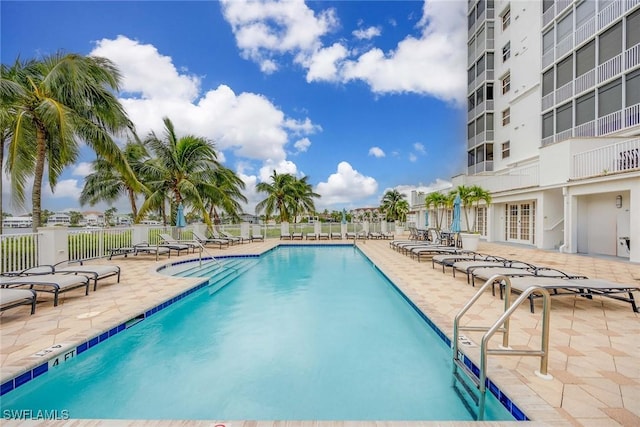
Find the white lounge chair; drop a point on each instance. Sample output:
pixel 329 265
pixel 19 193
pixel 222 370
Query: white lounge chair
pixel 50 283
pixel 173 244
pixel 95 272
pixel 256 233
pixel 213 241
pixel 10 298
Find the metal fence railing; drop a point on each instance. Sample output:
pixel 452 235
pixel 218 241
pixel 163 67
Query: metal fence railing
pixel 18 251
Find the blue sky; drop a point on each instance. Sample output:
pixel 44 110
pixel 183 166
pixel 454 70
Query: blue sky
pixel 361 96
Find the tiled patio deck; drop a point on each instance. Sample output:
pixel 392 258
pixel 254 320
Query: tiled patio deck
pixel 594 348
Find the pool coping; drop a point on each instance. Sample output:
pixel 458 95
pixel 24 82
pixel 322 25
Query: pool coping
pixel 60 353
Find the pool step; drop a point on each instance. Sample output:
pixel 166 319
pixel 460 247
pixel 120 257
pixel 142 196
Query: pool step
pixel 220 272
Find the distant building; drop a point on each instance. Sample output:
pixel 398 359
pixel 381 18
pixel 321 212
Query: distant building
pixel 59 219
pixel 17 222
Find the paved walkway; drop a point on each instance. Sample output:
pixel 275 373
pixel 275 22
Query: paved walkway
pixel 594 348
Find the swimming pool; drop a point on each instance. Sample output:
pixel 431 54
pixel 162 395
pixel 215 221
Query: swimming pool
pixel 310 333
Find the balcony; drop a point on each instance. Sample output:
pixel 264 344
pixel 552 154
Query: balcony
pixel 520 177
pixel 632 57
pixel 586 31
pixel 563 93
pixel 615 158
pixel 548 101
pixel 547 58
pixel 484 166
pixel 548 16
pixel 610 68
pixel 564 46
pixel 585 81
pixel 611 13
pixel 602 126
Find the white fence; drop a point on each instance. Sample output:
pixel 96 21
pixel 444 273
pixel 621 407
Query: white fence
pixel 615 158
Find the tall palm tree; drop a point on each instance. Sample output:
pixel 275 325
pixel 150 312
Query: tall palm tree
pixel 390 204
pixel 179 169
pixel 55 103
pixel 304 196
pixel 467 198
pixel 287 196
pixel 224 193
pixel 108 184
pixel 479 194
pixel 438 201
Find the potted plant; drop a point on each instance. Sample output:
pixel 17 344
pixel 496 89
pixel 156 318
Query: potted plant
pixel 470 196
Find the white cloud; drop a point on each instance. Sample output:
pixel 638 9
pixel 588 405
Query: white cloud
pixel 219 114
pixel 83 169
pixel 413 157
pixel 432 63
pixel 146 72
pixel 64 188
pixel 418 147
pixel 302 145
pixel 376 152
pixel 367 33
pixel 264 29
pixel 347 185
pixel 323 64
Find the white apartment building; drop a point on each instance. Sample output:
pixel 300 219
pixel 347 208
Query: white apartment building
pixel 553 123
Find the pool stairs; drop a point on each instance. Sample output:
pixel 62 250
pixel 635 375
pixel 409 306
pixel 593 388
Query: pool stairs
pixel 478 375
pixel 219 271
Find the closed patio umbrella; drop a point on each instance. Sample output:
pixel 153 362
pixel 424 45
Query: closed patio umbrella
pixel 180 219
pixel 455 224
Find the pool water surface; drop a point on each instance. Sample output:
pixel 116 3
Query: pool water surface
pixel 309 333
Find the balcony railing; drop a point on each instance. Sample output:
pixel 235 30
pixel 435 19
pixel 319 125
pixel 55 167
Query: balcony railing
pixel 547 58
pixel 587 129
pixel 614 158
pixel 564 46
pixel 565 92
pixel 520 177
pixel 632 57
pixel 484 166
pixel 548 16
pixel 610 68
pixel 610 13
pixel 585 81
pixel 585 31
pixel 610 123
pixel 548 101
pixel 561 5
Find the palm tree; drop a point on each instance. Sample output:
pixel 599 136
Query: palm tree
pixel 467 197
pixel 225 193
pixel 286 195
pixel 438 201
pixel 54 104
pixel 402 209
pixel 304 195
pixel 181 167
pixel 479 194
pixel 391 201
pixel 108 184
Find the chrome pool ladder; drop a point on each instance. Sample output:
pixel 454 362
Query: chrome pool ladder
pixel 500 325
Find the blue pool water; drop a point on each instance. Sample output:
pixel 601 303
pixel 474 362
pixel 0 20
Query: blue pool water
pixel 310 333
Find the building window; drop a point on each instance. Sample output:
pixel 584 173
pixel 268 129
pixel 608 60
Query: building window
pixel 506 117
pixel 506 83
pixel 506 19
pixel 506 51
pixel 506 149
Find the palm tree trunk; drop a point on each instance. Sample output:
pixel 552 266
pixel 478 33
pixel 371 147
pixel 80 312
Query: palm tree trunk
pixel 132 201
pixel 36 195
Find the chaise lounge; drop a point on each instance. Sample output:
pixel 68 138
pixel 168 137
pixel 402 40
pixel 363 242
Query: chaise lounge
pixel 10 298
pixel 50 283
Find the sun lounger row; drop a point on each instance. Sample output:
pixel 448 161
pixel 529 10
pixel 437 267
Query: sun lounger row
pixel 523 275
pixel 54 279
